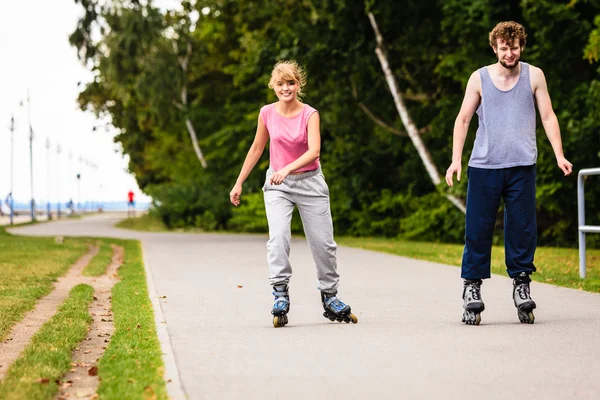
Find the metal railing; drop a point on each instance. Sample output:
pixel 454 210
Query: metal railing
pixel 583 228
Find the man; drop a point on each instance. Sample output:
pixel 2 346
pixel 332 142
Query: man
pixel 130 204
pixel 502 165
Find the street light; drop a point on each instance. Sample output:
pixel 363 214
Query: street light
pixel 12 163
pixel 48 178
pixel 58 150
pixel 31 156
pixel 79 185
pixel 70 180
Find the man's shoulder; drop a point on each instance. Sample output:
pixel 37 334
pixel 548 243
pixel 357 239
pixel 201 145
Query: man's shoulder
pixel 536 76
pixel 475 79
pixel 533 69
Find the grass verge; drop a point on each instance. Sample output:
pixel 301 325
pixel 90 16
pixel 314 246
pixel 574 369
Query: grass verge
pixel 559 266
pixel 145 223
pixel 35 374
pixel 132 365
pixel 100 262
pixel 29 266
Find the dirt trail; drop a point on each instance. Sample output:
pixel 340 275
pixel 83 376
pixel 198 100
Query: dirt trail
pixel 21 334
pixel 82 380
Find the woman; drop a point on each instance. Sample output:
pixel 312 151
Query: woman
pixel 294 178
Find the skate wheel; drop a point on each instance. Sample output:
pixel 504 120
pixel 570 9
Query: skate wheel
pixel 526 317
pixel 471 318
pixel 353 318
pixel 279 321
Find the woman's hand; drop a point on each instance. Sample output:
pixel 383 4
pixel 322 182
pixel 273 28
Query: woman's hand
pixel 279 176
pixel 235 194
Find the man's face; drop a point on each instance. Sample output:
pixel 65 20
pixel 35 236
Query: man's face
pixel 508 53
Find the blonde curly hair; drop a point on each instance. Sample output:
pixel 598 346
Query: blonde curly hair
pixel 288 70
pixel 508 31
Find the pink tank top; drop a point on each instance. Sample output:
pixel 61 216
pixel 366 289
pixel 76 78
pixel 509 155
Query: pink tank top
pixel 288 136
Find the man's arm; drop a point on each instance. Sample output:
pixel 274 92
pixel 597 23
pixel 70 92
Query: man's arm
pixel 549 120
pixel 461 125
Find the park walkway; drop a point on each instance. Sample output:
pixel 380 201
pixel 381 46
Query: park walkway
pixel 215 326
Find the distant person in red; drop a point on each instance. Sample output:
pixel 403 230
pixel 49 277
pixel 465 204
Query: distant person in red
pixel 131 204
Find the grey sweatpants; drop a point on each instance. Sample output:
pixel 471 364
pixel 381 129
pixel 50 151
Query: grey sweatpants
pixel 309 192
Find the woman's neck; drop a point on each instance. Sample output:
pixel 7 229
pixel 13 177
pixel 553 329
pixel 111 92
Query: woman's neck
pixel 289 108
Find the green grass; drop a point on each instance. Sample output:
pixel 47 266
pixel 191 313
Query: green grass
pixel 132 366
pixel 100 262
pixel 145 223
pixel 35 374
pixel 28 268
pixel 559 266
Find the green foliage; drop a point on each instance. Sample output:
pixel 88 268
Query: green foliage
pixel 251 217
pixel 592 50
pixel 377 180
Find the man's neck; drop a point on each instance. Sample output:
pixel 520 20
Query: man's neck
pixel 507 73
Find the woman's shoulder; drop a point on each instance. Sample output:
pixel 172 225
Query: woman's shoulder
pixel 309 109
pixel 267 108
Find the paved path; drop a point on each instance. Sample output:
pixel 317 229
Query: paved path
pixel 409 342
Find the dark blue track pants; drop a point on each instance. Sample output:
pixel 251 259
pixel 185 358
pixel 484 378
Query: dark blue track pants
pixel 485 188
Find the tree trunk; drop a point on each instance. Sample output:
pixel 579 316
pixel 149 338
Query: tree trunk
pixel 409 125
pixel 183 62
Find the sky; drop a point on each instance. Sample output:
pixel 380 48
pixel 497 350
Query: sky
pixel 37 58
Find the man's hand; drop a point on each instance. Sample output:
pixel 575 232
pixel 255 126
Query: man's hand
pixel 564 165
pixel 235 194
pixel 455 167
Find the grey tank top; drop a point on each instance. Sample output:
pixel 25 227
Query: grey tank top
pixel 506 134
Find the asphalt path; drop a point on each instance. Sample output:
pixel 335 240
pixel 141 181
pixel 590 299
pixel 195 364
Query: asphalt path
pixel 212 302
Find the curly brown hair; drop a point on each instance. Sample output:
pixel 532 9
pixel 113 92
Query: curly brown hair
pixel 508 31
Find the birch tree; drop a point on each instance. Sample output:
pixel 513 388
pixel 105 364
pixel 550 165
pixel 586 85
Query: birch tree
pixel 409 125
pixel 183 63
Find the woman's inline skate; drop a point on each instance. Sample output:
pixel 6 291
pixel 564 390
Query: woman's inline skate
pixel 336 310
pixel 281 305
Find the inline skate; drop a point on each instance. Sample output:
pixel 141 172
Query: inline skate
pixel 336 310
pixel 522 298
pixel 473 304
pixel 281 305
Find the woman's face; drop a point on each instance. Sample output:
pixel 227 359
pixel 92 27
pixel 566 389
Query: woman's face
pixel 286 89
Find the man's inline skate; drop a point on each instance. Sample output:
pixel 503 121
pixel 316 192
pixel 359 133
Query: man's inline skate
pixel 281 305
pixel 522 298
pixel 473 304
pixel 336 310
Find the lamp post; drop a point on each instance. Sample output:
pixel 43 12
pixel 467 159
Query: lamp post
pixel 79 185
pixel 70 180
pixel 48 179
pixel 12 164
pixel 31 156
pixel 58 150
